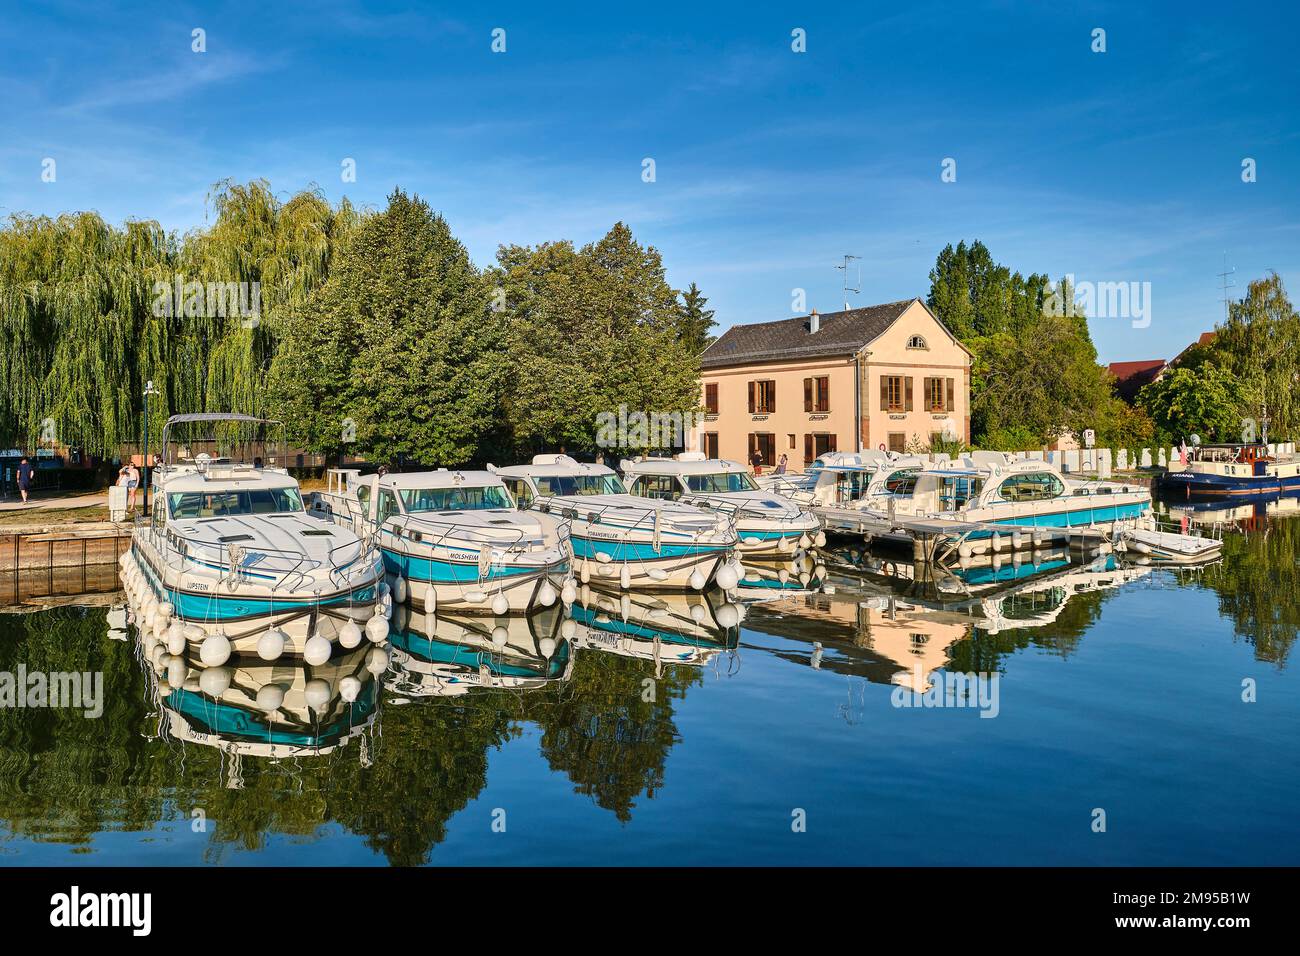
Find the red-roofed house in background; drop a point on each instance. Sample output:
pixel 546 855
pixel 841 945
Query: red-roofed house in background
pixel 1131 376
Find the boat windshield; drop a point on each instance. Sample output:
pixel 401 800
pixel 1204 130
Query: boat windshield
pixel 549 485
pixel 218 504
pixel 461 498
pixel 720 482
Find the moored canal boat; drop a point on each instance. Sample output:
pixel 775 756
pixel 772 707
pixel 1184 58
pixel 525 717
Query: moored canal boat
pixel 229 562
pixel 1231 470
pixel 454 540
pixel 636 542
pixel 768 525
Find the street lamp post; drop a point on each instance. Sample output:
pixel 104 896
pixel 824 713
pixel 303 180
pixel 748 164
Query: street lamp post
pixel 148 390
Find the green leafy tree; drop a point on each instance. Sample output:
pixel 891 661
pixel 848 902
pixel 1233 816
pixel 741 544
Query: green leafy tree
pixel 1259 344
pixel 1205 402
pixel 82 328
pixel 695 321
pixel 400 343
pixel 1035 373
pixel 592 330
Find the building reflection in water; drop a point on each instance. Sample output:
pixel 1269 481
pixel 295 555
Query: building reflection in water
pixel 892 624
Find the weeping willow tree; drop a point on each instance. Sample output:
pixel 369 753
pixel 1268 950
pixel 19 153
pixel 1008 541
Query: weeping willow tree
pixel 89 312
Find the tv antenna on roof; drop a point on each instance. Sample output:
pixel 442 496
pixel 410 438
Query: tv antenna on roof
pixel 857 285
pixel 1226 283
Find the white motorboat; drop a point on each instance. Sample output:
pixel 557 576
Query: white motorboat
pixel 858 480
pixel 453 539
pixel 996 488
pixel 619 538
pixel 767 524
pixel 230 563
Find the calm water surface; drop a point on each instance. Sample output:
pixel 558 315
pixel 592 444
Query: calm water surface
pixel 645 732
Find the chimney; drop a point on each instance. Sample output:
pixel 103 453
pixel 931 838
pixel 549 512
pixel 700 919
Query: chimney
pixel 814 322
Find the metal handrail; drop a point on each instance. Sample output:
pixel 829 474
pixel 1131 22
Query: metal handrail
pixel 596 514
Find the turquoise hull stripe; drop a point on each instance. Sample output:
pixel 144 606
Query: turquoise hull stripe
pixel 211 608
pixel 232 723
pixel 636 551
pixel 771 535
pixel 1008 572
pixel 433 571
pixel 427 649
pixel 1070 519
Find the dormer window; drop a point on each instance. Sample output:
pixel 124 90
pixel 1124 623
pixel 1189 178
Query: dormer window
pixel 916 342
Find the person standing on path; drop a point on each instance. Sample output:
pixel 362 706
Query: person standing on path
pixel 24 478
pixel 132 483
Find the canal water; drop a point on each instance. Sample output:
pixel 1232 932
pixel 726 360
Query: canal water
pixel 1074 710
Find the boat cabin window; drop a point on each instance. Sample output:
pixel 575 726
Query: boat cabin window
pixel 721 482
pixel 549 485
pixel 519 490
pixel 459 498
pixel 1036 486
pixel 955 491
pixel 655 486
pixel 902 482
pixel 851 485
pixel 387 505
pixel 216 504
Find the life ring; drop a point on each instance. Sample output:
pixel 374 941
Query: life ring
pixel 882 447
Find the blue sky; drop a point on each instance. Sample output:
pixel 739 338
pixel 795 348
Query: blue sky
pixel 1123 166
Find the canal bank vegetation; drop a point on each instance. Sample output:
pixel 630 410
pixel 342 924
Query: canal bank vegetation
pixel 79 336
pixel 1222 388
pixel 1035 373
pixel 369 332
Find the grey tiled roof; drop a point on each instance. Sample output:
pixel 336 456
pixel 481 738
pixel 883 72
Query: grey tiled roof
pixel 841 333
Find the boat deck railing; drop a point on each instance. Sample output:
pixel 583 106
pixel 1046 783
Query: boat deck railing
pixel 411 527
pixel 649 518
pixel 735 510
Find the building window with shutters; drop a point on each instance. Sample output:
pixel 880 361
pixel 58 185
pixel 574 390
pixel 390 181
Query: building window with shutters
pixel 896 393
pixel 711 398
pixel 711 445
pixel 817 394
pixel 934 399
pixel 762 397
pixel 897 441
pixel 765 444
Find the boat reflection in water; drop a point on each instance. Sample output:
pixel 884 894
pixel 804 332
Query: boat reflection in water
pixel 890 623
pixel 254 708
pixel 664 627
pixel 1252 515
pixel 777 577
pixel 447 655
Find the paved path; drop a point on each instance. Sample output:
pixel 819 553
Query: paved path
pixel 36 505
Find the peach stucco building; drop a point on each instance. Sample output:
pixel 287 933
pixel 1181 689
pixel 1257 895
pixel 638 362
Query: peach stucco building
pixel 886 376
